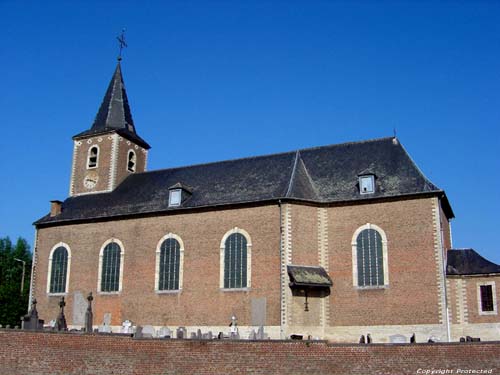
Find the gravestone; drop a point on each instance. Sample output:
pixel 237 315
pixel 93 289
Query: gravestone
pixel 181 333
pixel 61 319
pixel 233 330
pixel 148 331
pixel 164 333
pixel 89 315
pixel 138 332
pixel 210 335
pixel 397 339
pixel 105 327
pixel 261 335
pixel 30 321
pixel 126 326
pixel 107 319
pixel 199 336
pixel 79 309
pixel 253 335
pixel 258 311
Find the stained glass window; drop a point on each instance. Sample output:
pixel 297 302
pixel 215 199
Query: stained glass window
pixel 59 270
pixel 370 258
pixel 169 265
pixel 235 261
pixel 110 274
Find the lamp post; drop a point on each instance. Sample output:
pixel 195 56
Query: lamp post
pixel 22 279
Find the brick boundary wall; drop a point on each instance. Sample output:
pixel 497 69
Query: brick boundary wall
pixel 24 352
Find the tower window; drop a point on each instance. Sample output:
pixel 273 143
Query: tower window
pixel 131 161
pixel 367 184
pixel 93 157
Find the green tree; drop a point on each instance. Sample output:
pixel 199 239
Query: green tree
pixel 13 301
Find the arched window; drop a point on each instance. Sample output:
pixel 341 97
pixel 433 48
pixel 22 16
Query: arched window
pixel 111 267
pixel 131 161
pixel 58 274
pixel 235 260
pixel 169 260
pixel 93 157
pixel 369 247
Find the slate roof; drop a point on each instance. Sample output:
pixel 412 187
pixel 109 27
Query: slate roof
pixel 468 262
pixel 308 276
pixel 114 113
pixel 327 174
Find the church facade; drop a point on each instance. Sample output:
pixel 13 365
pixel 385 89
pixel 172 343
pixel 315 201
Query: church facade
pixel 332 242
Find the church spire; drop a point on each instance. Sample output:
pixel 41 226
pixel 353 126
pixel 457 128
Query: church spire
pixel 114 113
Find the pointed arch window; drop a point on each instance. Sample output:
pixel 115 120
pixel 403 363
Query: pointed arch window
pixel 369 253
pixel 169 263
pixel 93 157
pixel 131 161
pixel 111 267
pixel 235 260
pixel 58 274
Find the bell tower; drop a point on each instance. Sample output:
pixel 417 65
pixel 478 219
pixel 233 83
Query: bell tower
pixel 111 149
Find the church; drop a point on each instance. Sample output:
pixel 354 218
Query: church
pixel 331 242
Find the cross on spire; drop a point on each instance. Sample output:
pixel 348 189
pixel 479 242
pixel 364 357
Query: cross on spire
pixel 122 43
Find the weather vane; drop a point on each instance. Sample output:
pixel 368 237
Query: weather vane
pixel 122 43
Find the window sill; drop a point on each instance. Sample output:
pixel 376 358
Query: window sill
pixel 483 313
pixel 174 291
pixel 109 293
pixel 235 289
pixel 57 294
pixel 375 287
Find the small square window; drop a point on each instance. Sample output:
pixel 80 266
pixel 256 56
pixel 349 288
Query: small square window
pixel 366 184
pixel 175 198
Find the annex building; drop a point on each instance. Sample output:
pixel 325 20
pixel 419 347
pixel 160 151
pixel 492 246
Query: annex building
pixel 332 242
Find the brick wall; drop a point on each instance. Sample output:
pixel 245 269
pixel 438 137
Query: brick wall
pixel 39 353
pixel 201 302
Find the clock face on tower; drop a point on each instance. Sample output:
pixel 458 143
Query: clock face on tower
pixel 90 180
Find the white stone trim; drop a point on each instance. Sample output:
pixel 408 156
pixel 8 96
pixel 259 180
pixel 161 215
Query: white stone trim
pixel 97 159
pixel 33 269
pixel 324 318
pixel 181 262
pixel 76 144
pixel 145 152
pixel 461 301
pixel 68 269
pixel 114 161
pixel 122 256
pixel 249 258
pixel 385 256
pixel 494 292
pixel 286 259
pixel 439 256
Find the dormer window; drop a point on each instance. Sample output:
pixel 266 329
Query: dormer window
pixel 175 198
pixel 131 161
pixel 367 184
pixel 178 194
pixel 93 157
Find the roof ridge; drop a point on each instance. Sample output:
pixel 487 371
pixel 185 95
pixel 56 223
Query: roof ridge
pixel 265 155
pixel 292 175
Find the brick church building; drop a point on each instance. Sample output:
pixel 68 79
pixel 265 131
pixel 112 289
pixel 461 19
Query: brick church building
pixel 332 242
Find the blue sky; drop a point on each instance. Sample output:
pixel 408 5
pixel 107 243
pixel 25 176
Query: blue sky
pixel 214 80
